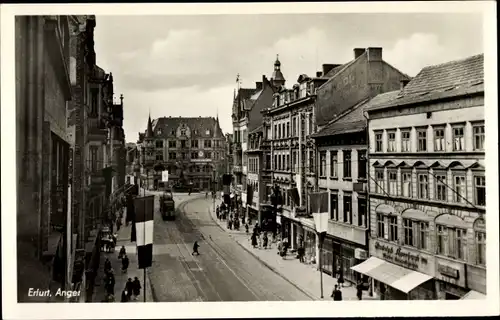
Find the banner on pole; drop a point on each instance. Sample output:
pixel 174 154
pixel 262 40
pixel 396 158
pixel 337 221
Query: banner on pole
pixel 164 176
pixel 144 224
pixel 318 202
pixel 294 195
pixel 249 194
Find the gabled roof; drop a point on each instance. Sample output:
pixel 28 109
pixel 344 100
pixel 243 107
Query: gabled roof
pixel 200 124
pixel 353 120
pixel 446 80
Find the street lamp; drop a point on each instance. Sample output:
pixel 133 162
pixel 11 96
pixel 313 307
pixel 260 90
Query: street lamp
pixel 321 224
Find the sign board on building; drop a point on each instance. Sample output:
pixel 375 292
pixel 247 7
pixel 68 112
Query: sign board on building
pixel 360 254
pixel 164 176
pixel 400 256
pixel 448 271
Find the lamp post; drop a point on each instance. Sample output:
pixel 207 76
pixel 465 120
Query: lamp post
pixel 321 224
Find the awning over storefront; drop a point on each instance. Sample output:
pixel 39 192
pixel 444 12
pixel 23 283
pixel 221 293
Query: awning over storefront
pixel 395 276
pixel 473 295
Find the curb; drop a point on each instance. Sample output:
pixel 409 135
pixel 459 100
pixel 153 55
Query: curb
pixel 314 298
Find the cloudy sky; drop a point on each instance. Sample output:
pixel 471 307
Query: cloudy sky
pixel 187 65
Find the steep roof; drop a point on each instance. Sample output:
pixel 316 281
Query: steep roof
pixel 353 120
pixel 198 126
pixel 450 79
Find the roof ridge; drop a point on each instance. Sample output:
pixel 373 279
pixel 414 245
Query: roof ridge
pixel 456 61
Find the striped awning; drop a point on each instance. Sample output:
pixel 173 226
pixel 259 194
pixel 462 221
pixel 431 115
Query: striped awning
pixel 395 276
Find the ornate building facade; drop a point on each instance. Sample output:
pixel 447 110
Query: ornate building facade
pixel 192 150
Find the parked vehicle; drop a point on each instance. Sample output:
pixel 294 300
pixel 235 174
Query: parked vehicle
pixel 167 205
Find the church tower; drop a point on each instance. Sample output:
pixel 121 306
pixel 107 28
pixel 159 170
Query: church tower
pixel 277 78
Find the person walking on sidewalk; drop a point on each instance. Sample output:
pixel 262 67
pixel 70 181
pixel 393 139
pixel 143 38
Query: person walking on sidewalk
pixel 124 296
pixel 264 240
pixel 125 263
pixel 195 248
pixel 122 253
pixel 359 289
pixel 254 239
pixel 129 287
pixel 107 266
pixel 337 294
pixel 110 283
pixel 136 287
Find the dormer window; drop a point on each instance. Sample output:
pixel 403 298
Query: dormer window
pixel 207 132
pixel 159 132
pixel 173 132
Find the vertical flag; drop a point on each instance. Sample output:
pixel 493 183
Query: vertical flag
pixel 144 225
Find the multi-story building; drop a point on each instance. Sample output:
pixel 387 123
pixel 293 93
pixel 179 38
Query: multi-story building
pixel 427 196
pixel 247 116
pixel 255 186
pixel 190 149
pixel 342 173
pixel 43 88
pixel 228 158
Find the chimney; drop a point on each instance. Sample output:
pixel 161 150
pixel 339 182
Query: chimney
pixel 403 83
pixel 327 67
pixel 374 54
pixel 319 74
pixel 258 85
pixel 358 52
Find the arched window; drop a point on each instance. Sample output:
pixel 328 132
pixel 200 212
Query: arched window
pixel 416 228
pixel 451 236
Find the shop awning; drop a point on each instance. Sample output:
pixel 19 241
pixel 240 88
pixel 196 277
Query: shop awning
pixel 473 295
pixel 395 276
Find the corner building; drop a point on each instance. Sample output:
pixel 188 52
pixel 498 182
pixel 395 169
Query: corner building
pixel 427 195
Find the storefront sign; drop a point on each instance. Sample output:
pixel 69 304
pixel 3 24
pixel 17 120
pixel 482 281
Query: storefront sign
pixel 400 256
pixel 448 271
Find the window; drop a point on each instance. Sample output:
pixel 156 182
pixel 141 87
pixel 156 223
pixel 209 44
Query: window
pixel 183 143
pixel 416 233
pixel 423 186
pixel 378 142
pixel 207 132
pixel 334 206
pixel 93 158
pixel 391 141
pixel 312 162
pixel 159 132
pixel 275 131
pixel 194 155
pixel 441 193
pixel 275 163
pixel 379 181
pixel 288 129
pixel 171 144
pixel 380 226
pixel 405 141
pixel 208 144
pixel 333 164
pixel 480 190
pixel 460 191
pixel 159 143
pixel 347 164
pixel 294 161
pixel 294 126
pixel 481 248
pixel 439 139
pixel 393 183
pixel 362 214
pixel 361 164
pixel 322 166
pixel 172 155
pixel 458 139
pixel 208 155
pixel 347 208
pixel 422 140
pixel 302 127
pixel 310 127
pixel 279 162
pixel 173 132
pixel 159 157
pixel 393 228
pixel 452 242
pixel 288 162
pixel 283 133
pixel 479 138
pixel 406 184
pixel 279 131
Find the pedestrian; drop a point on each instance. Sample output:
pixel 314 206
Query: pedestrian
pixel 124 296
pixel 264 240
pixel 359 289
pixel 340 280
pixel 301 253
pixel 125 263
pixel 122 253
pixel 136 287
pixel 110 285
pixel 254 239
pixel 129 287
pixel 195 248
pixel 336 293
pixel 107 265
pixel 246 228
pixel 217 212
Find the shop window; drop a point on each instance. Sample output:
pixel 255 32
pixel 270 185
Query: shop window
pixel 406 186
pixel 416 233
pixel 347 163
pixel 423 186
pixel 440 189
pixel 380 226
pixel 334 206
pixel 393 183
pixel 322 166
pixel 362 213
pixel 378 141
pixel 422 140
pixel 361 164
pixel 405 140
pixel 159 143
pixel 479 137
pixel 379 181
pixel 439 142
pixel 333 164
pixel 452 242
pixel 347 208
pixel 460 188
pixel 458 138
pixel 393 228
pixel 391 141
pixel 481 247
pixel 480 190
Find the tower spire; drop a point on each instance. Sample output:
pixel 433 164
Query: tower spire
pixel 149 131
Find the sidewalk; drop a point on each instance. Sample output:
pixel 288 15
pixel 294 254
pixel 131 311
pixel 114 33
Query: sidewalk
pixel 290 268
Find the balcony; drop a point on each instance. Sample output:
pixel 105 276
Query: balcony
pixel 96 130
pixel 94 169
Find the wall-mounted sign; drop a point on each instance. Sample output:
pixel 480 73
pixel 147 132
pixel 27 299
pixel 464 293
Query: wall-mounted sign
pixel 400 256
pixel 448 271
pixel 164 176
